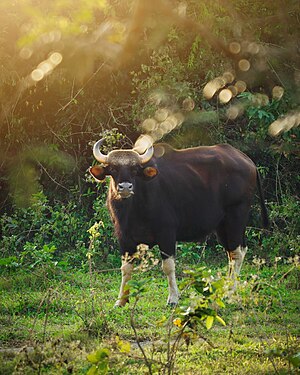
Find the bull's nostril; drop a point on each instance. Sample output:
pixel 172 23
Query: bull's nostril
pixel 125 186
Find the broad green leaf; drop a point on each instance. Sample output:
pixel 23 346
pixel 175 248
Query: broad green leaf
pixel 98 355
pixel 103 367
pixel 220 320
pixel 161 321
pixel 295 359
pixel 92 370
pixel 93 358
pixel 220 303
pixel 209 321
pixel 124 346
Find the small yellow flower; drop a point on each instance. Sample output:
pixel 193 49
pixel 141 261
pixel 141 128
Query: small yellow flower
pixel 177 322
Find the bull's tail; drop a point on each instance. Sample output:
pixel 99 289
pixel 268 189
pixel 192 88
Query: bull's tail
pixel 264 212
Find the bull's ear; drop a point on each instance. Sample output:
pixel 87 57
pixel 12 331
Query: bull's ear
pixel 150 172
pixel 98 172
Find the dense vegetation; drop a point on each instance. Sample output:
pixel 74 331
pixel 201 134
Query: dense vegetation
pixel 222 71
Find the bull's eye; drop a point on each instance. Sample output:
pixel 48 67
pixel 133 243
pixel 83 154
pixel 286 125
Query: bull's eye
pixel 134 171
pixel 112 170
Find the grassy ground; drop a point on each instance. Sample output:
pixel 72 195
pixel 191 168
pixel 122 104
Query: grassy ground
pixel 50 320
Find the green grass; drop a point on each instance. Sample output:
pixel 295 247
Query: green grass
pixel 62 316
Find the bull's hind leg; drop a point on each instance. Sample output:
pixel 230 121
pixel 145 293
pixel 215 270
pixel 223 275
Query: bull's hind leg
pixel 231 234
pixel 167 248
pixel 236 258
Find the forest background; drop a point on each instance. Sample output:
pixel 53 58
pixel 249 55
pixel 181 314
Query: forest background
pixel 187 73
pixel 119 69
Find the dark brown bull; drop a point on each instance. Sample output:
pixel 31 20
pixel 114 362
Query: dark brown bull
pixel 168 195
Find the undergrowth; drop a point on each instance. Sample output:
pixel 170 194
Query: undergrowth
pixel 64 322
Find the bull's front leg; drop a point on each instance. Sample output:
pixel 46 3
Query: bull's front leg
pixel 168 266
pixel 126 270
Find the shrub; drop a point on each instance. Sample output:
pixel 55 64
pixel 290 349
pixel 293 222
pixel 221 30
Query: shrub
pixel 45 233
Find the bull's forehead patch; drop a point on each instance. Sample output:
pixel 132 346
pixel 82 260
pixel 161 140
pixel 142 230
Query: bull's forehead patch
pixel 123 157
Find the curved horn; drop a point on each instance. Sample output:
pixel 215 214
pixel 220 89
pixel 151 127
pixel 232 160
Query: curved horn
pixel 98 154
pixel 147 155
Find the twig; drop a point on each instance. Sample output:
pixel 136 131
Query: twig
pixel 81 89
pixel 148 364
pixel 51 178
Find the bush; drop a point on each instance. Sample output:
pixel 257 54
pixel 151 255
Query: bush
pixel 45 233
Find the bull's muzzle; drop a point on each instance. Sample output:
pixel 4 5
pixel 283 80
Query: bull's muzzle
pixel 125 189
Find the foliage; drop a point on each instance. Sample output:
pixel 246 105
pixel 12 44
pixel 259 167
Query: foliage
pixel 210 292
pixel 282 238
pixel 46 234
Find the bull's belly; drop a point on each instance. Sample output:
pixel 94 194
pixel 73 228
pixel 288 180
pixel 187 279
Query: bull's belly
pixel 198 229
pixel 192 236
pixel 194 229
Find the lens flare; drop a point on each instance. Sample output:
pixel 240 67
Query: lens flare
pixel 143 143
pixel 37 75
pixel 149 125
pixel 244 65
pixel 233 90
pixel 161 114
pixel 56 58
pixel 235 48
pixel 45 67
pixel 277 92
pixel 240 86
pixel 284 124
pixel 260 100
pixel 157 134
pixel 225 95
pixel 26 53
pixel 234 111
pixel 228 76
pixel 253 48
pixel 188 104
pixel 213 86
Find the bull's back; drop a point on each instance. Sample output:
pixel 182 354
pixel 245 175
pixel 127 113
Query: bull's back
pixel 199 184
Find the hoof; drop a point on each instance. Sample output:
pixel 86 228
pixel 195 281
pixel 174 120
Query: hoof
pixel 172 304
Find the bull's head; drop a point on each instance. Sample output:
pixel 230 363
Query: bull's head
pixel 124 166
